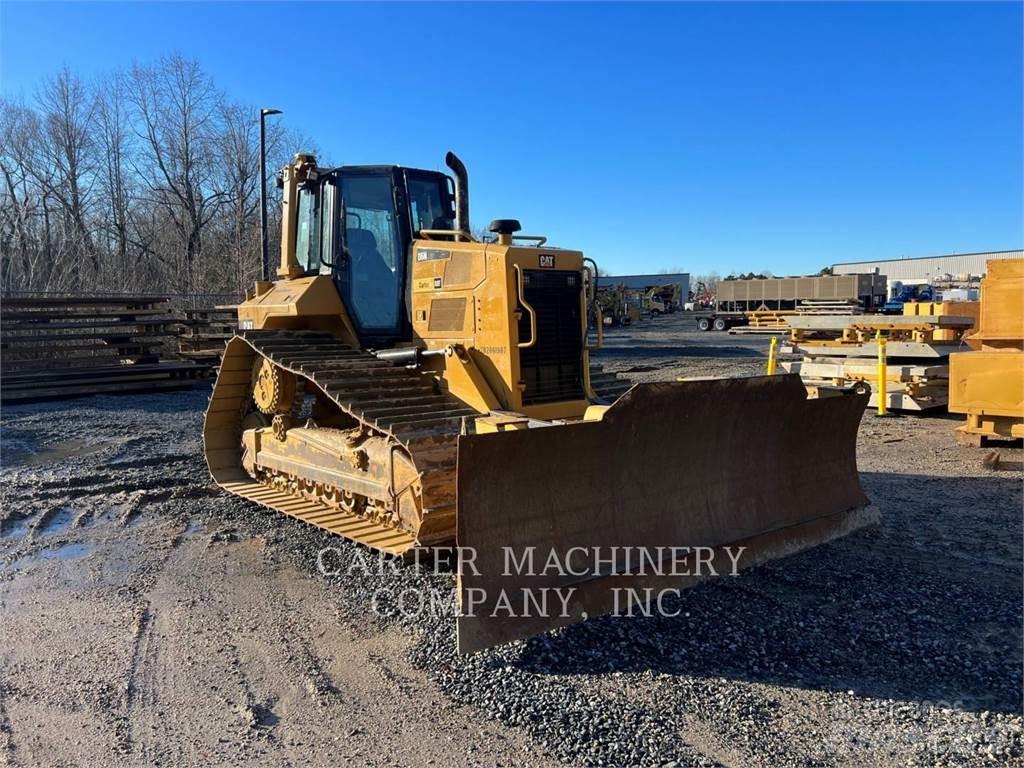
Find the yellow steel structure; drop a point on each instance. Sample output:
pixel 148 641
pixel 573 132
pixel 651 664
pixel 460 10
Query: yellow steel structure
pixel 881 380
pixel 988 384
pixel 404 384
pixel 773 355
pixel 971 309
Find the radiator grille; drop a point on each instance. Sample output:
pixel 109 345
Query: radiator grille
pixel 551 369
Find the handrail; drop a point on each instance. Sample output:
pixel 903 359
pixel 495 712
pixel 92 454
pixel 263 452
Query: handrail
pixel 600 328
pixel 592 302
pixel 527 307
pixel 540 239
pixel 447 233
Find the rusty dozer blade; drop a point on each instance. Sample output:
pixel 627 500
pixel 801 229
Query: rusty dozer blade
pixel 711 464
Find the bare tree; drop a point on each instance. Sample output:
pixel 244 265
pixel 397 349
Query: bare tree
pixel 16 200
pixel 177 112
pixel 64 162
pixel 113 139
pixel 141 181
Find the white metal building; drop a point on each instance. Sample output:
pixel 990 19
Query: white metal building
pixel 918 270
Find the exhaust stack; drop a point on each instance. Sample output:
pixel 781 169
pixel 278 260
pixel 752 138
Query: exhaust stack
pixel 461 192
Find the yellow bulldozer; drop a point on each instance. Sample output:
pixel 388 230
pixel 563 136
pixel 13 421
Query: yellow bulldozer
pixel 406 385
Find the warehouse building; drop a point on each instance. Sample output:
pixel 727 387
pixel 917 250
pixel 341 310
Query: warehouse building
pixel 921 270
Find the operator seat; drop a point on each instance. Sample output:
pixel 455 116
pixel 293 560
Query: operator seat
pixel 374 283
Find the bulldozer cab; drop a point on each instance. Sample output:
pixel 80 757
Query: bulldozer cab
pixel 357 223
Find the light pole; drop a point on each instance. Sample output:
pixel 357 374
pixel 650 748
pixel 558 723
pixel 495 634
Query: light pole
pixel 263 188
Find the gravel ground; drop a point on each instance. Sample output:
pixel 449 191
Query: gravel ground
pixel 148 618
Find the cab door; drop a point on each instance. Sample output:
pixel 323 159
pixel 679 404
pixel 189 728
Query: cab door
pixel 371 272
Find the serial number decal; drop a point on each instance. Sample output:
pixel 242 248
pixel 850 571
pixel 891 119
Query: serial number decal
pixel 432 254
pixel 547 261
pixel 245 325
pixel 491 350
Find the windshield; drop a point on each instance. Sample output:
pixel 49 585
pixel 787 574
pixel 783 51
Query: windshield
pixel 428 205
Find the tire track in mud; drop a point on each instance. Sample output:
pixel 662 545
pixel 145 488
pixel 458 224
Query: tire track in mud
pixel 162 462
pixel 402 684
pixel 140 682
pixel 316 680
pixel 257 717
pixel 93 487
pixel 141 688
pixel 301 661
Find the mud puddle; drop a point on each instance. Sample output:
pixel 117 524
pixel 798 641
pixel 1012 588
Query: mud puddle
pixel 13 527
pixel 63 553
pixel 57 452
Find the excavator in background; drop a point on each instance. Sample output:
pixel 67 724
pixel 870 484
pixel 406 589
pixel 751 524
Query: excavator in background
pixel 406 386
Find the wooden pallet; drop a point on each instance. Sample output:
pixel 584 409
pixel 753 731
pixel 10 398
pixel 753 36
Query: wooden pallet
pixel 60 347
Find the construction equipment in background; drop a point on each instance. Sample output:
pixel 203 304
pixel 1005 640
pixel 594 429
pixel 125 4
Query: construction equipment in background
pixel 988 384
pixel 634 307
pixel 650 303
pixel 630 305
pixel 403 385
pixel 841 351
pixel 643 303
pixel 663 299
pixel 659 293
pixel 700 298
pixel 611 299
pixel 55 347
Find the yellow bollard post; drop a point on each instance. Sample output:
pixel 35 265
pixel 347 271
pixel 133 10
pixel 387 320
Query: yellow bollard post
pixel 773 354
pixel 880 393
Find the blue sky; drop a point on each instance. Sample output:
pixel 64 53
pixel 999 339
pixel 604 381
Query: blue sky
pixel 728 137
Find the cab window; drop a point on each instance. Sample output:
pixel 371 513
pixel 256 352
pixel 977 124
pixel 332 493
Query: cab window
pixel 428 205
pixel 328 227
pixel 373 273
pixel 307 240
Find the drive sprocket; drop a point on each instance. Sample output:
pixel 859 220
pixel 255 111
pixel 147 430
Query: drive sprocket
pixel 273 388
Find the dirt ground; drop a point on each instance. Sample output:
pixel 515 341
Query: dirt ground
pixel 148 619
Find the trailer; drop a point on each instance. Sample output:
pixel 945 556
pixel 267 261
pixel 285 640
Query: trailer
pixel 785 293
pixel 708 320
pixel 761 302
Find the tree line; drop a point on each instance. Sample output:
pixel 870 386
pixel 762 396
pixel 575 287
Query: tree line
pixel 144 181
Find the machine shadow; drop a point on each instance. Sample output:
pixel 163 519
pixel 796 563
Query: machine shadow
pixel 928 607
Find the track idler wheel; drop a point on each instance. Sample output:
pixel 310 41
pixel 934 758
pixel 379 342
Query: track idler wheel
pixel 281 424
